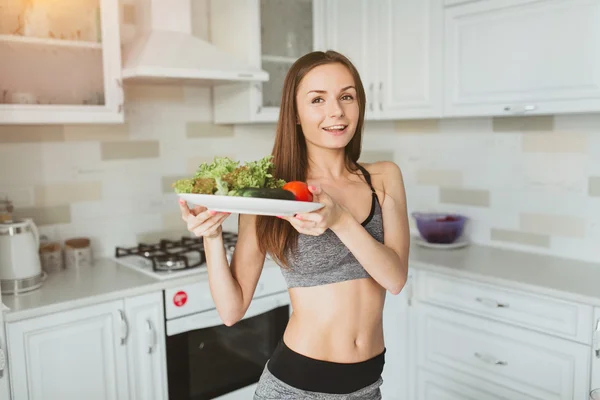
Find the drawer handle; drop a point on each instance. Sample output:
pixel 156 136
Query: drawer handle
pixel 491 303
pixel 597 339
pixel 490 360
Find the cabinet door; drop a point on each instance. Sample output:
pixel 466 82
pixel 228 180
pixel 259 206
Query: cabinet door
pixel 410 59
pixel 477 351
pixel 436 387
pixel 146 347
pixel 269 34
pixel 351 30
pixel 65 62
pixel 4 378
pixel 595 383
pixel 506 57
pixel 71 355
pixel 398 373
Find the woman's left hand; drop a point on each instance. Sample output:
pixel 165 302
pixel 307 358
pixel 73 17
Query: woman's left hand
pixel 317 222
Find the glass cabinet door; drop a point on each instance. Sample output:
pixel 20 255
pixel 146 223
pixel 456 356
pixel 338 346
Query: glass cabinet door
pixel 286 35
pixel 59 59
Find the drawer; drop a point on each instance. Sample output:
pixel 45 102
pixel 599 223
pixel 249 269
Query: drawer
pixel 545 314
pixel 478 352
pixel 437 387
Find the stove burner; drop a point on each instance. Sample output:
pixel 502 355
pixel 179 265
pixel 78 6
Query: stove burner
pixel 174 255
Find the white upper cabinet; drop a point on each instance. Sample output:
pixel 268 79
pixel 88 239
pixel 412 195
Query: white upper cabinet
pixel 507 57
pixel 267 34
pixel 410 59
pixel 61 62
pixel 396 45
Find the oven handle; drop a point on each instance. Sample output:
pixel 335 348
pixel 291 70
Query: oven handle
pixel 211 318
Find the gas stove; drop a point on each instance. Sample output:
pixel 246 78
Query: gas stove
pixel 167 258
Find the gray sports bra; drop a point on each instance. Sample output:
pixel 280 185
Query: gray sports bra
pixel 320 260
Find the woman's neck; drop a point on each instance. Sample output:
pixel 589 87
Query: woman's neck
pixel 326 163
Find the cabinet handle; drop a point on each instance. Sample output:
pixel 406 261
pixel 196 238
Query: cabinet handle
pixel 151 336
pixel 491 303
pixel 380 96
pixel 490 360
pixel 371 95
pixel 597 339
pixel 409 293
pixel 520 110
pixel 124 327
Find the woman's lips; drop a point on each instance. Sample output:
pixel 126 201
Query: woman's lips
pixel 336 130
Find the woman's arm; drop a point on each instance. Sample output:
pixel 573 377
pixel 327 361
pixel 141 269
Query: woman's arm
pixel 231 287
pixel 387 263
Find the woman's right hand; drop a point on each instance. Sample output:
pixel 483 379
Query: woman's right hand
pixel 201 221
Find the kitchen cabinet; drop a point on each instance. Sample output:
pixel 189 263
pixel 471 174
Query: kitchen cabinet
pixel 268 34
pixel 398 375
pixel 146 351
pixel 61 62
pixel 595 354
pixel 4 378
pixel 70 355
pixel 511 57
pixel 490 342
pixel 397 48
pixel 112 350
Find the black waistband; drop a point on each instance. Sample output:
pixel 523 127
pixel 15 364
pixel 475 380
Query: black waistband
pixel 314 375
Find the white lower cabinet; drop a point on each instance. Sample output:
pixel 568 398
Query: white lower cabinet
pixel 398 377
pixel 95 352
pixel 146 355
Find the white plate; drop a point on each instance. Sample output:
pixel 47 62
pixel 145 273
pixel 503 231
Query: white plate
pixel 461 242
pixel 250 205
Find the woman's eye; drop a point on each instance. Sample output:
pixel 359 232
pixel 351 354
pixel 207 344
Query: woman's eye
pixel 347 97
pixel 317 100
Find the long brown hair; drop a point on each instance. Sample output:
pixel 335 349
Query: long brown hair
pixel 276 236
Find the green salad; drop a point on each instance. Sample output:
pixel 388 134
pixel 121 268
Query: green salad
pixel 227 177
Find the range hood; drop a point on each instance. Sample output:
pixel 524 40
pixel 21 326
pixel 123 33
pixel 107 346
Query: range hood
pixel 164 50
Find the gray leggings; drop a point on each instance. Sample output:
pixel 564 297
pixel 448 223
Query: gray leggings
pixel 271 388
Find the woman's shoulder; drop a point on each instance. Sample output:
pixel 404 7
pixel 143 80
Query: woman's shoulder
pixel 384 173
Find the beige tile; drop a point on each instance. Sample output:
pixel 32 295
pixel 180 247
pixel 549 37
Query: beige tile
pixel 469 197
pixel 128 14
pixel 555 143
pixel 130 150
pixel 99 133
pixel 172 222
pixel 31 133
pixel 594 186
pixel 374 156
pixel 193 163
pixel 154 237
pixel 196 130
pixel 525 238
pixel 167 181
pixel 538 123
pixel 417 126
pixel 51 195
pixel 440 177
pixel 60 214
pixel 559 225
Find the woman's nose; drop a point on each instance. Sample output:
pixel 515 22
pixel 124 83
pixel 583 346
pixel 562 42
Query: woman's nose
pixel 336 109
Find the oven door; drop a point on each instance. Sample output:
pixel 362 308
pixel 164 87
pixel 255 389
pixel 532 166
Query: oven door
pixel 207 359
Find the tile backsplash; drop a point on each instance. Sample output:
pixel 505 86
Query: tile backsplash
pixel 530 183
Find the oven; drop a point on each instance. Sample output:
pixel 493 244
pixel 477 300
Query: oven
pixel 207 359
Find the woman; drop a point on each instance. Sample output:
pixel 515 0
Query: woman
pixel 338 261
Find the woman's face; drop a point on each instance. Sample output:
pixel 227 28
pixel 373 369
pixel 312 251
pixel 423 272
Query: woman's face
pixel 327 106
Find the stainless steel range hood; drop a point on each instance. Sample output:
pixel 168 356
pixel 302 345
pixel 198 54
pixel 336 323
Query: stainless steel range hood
pixel 164 50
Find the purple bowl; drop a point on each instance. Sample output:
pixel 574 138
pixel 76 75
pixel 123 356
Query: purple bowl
pixel 439 227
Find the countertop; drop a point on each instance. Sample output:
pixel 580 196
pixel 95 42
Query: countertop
pixel 107 280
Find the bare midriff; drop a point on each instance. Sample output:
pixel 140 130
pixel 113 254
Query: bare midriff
pixel 340 322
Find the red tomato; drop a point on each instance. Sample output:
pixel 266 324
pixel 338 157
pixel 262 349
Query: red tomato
pixel 300 190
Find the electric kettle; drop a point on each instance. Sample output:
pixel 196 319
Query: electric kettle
pixel 20 266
